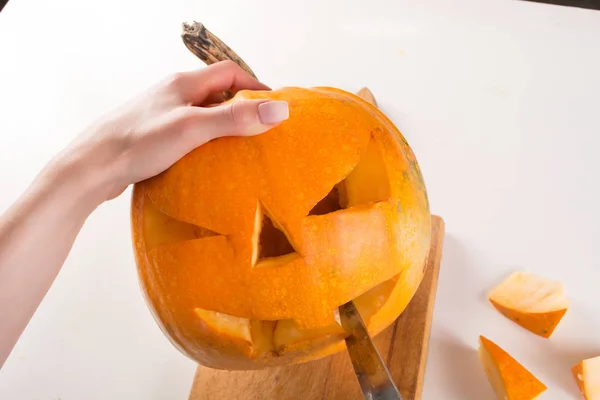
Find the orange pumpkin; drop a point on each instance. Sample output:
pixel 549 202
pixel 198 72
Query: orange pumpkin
pixel 247 245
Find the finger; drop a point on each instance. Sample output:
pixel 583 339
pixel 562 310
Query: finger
pixel 239 118
pixel 196 86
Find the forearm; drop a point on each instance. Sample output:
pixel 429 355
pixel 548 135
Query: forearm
pixel 140 139
pixel 36 235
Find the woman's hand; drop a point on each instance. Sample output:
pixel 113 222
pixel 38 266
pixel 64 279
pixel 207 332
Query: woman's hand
pixel 135 142
pixel 151 132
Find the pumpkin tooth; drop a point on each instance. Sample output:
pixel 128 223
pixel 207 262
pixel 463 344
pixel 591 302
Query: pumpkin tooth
pixel 289 336
pixel 262 336
pixel 224 324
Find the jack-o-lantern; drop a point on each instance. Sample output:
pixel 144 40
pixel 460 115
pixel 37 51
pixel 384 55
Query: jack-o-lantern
pixel 247 246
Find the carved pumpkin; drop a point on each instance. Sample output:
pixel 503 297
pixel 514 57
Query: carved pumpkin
pixel 247 246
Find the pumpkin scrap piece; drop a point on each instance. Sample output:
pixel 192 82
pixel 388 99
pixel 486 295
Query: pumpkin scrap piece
pixel 510 380
pixel 587 376
pixel 534 302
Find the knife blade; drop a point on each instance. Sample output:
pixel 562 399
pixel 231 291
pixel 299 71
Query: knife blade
pixel 373 376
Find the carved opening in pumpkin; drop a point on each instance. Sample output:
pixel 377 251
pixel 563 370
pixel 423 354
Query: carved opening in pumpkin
pixel 283 337
pixel 160 228
pixel 289 337
pixel 367 183
pixel 329 203
pixel 271 245
pixel 257 334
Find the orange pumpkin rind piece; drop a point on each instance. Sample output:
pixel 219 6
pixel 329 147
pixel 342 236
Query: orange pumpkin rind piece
pixel 587 376
pixel 509 379
pixel 534 302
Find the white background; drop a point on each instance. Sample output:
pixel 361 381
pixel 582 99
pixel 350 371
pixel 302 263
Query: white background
pixel 499 100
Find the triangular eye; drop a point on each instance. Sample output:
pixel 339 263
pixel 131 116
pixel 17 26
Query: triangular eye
pixel 367 183
pixel 330 203
pixel 269 241
pixel 159 228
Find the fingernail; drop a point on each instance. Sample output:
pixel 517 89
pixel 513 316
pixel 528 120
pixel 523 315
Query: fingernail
pixel 273 112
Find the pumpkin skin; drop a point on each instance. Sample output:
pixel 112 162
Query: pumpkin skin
pixel 334 198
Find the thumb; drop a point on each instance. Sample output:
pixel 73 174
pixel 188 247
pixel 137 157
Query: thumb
pixel 242 118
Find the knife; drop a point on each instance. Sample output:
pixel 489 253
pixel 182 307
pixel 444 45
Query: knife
pixel 373 376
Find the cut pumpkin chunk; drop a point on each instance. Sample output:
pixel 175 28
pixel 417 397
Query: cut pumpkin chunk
pixel 509 379
pixel 227 325
pixel 289 337
pixel 534 302
pixel 587 376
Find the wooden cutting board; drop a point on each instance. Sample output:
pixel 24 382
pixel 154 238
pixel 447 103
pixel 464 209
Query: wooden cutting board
pixel 403 346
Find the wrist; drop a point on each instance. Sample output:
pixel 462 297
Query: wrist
pixel 74 182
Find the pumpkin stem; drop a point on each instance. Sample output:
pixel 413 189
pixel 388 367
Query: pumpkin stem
pixel 207 47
